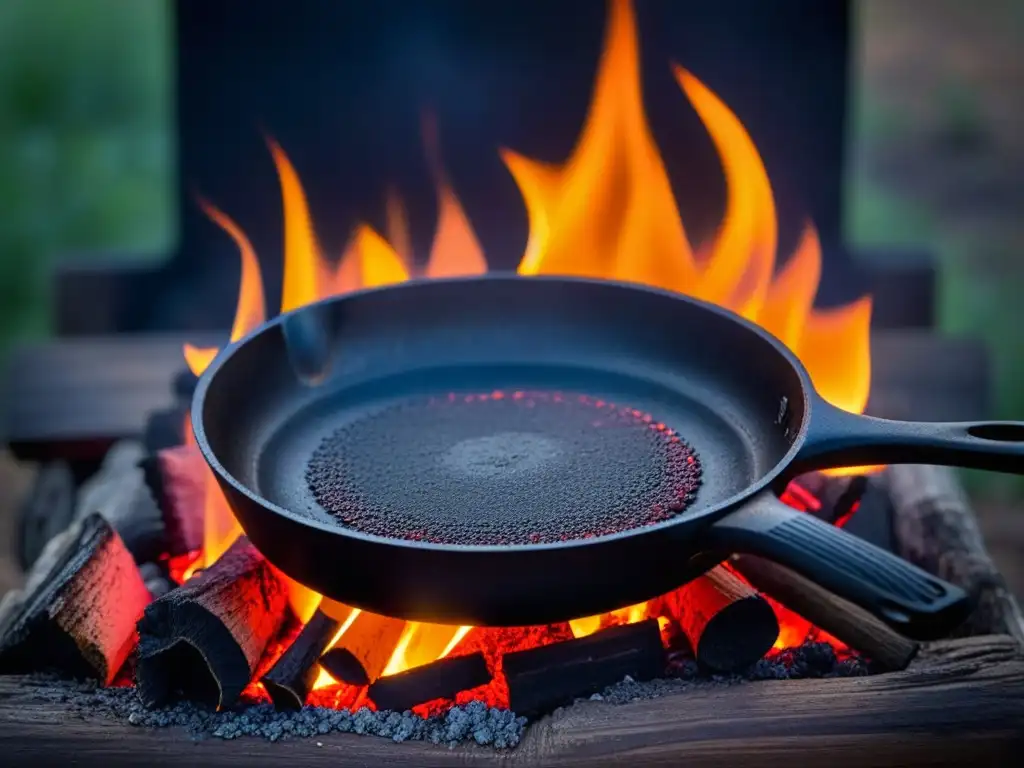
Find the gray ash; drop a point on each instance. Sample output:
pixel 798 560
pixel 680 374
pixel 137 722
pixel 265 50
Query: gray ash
pixel 503 468
pixel 810 660
pixel 473 722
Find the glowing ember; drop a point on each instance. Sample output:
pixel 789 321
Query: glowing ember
pixel 607 212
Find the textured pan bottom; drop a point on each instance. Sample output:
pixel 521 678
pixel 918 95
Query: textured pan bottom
pixel 503 467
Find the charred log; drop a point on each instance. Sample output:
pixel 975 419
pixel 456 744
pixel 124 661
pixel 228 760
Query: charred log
pixel 729 625
pixel 441 679
pixel 935 529
pixel 48 510
pixel 78 609
pixel 204 639
pixel 541 679
pixel 118 491
pixel 176 477
pixel 291 678
pixel 361 654
pixel 858 629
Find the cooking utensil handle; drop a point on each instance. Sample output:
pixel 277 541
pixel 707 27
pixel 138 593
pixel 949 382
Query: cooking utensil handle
pixel 911 601
pixel 837 438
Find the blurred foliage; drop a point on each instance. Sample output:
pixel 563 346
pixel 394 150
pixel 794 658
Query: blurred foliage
pixel 85 152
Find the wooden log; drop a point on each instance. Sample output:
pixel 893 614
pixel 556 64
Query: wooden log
pixel 361 654
pixel 440 679
pixel 729 625
pixel 48 509
pixel 858 629
pixel 204 639
pixel 119 492
pixel 935 529
pixel 79 606
pixel 291 678
pixel 177 479
pixel 549 676
pixel 959 703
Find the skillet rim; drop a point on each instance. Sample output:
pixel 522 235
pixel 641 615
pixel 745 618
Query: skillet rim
pixel 707 515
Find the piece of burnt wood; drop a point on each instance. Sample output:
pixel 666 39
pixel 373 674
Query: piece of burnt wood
pixel 156 578
pixel 165 428
pixel 832 499
pixel 177 479
pixel 935 529
pixel 441 679
pixel 851 624
pixel 960 702
pixel 78 610
pixel 119 492
pixel 48 509
pixel 204 639
pixel 729 625
pixel 541 679
pixel 361 654
pixel 291 678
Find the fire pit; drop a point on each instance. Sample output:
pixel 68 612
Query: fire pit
pixel 167 616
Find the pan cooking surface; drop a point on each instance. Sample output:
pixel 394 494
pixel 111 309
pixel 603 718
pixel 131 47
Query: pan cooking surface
pixel 503 467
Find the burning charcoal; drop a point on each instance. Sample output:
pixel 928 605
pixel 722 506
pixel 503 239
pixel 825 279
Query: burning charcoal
pixel 729 625
pixel 118 491
pixel 204 639
pixel 177 479
pixel 541 679
pixel 79 607
pixel 845 621
pixel 441 679
pixel 832 499
pixel 361 654
pixel 156 578
pixel 48 509
pixel 291 678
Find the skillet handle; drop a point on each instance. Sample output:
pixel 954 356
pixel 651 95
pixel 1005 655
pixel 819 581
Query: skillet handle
pixel 837 438
pixel 911 601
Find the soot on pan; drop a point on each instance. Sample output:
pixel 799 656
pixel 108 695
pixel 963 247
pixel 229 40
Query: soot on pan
pixel 503 468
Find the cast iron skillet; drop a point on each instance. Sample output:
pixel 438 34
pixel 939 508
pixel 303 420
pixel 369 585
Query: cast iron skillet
pixel 737 395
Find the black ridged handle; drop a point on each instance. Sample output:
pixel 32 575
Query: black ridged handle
pixel 911 601
pixel 837 438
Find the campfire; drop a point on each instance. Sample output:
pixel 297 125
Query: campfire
pixel 217 624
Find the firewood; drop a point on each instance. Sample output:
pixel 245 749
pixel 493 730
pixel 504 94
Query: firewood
pixel 119 492
pixel 549 676
pixel 291 678
pixel 204 639
pixel 845 621
pixel 177 479
pixel 440 679
pixel 361 654
pixel 729 625
pixel 48 509
pixel 935 529
pixel 79 606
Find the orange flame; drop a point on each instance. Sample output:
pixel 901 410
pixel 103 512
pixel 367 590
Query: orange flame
pixel 607 212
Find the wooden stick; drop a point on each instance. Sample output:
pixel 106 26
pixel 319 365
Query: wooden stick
pixel 361 654
pixel 79 607
pixel 177 479
pixel 291 678
pixel 441 679
pixel 549 676
pixel 845 621
pixel 729 625
pixel 935 529
pixel 204 639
